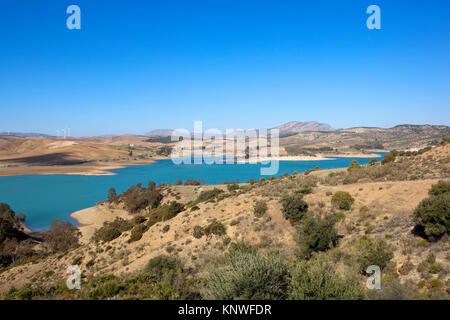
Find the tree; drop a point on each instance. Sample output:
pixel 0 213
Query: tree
pixel 388 158
pixel 439 188
pixel 316 234
pixel 294 207
pixel 353 165
pixel 112 195
pixel 342 200
pixel 62 236
pixel 433 215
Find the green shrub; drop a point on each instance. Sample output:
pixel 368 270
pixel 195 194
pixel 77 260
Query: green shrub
pixel 216 228
pixel 195 208
pixel 433 215
pixel 139 220
pixel 305 191
pixel 102 288
pixel 112 195
pixel 435 268
pixel 342 200
pixel 393 289
pixel 198 232
pixel 137 198
pixel 232 187
pixel 373 252
pixel 316 234
pixel 162 264
pixel 317 279
pixel 439 188
pixel 137 232
pixel 294 207
pixel 164 212
pixel 260 208
pixel 110 230
pixel 388 158
pixel 353 165
pixel 248 275
pixel 62 236
pixel 90 263
pixel 422 243
pixel 208 194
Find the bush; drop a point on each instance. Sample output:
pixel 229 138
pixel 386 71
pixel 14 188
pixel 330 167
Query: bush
pixel 305 191
pixel 137 198
pixel 317 279
pixel 137 232
pixel 316 234
pixel 102 288
pixel 342 200
pixel 248 275
pixel 208 194
pixel 198 232
pixel 163 264
pixel 294 207
pixel 439 188
pixel 139 220
pixel 216 228
pixel 112 230
pixel 190 182
pixel 392 289
pixel 164 213
pixel 260 208
pixel 353 165
pixel 232 187
pixel 373 252
pixel 62 236
pixel 433 215
pixel 388 158
pixel 112 195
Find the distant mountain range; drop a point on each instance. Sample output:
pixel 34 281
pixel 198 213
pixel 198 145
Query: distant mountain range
pixel 26 134
pixel 159 133
pixel 400 137
pixel 296 127
pixel 285 129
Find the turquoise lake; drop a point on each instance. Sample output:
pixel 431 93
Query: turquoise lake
pixel 44 198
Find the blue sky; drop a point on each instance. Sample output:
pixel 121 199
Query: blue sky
pixel 136 66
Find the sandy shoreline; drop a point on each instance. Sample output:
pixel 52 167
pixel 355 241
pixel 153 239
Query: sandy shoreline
pixel 83 170
pixel 104 169
pixel 92 218
pixel 310 158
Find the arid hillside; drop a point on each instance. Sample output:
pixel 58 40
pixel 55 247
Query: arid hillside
pixel 19 155
pixel 401 137
pixel 346 219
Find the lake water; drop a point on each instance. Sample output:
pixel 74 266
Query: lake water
pixel 44 198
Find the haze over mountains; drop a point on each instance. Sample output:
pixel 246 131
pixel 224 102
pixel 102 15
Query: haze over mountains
pixel 295 127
